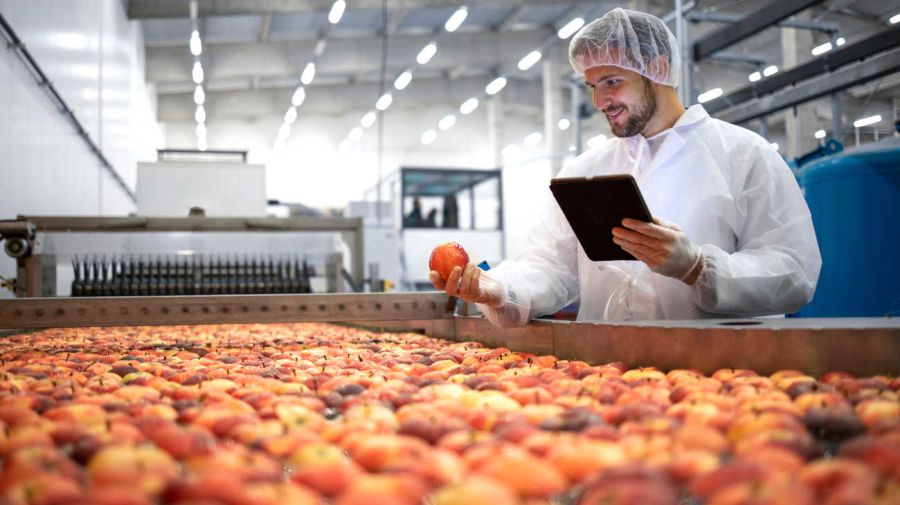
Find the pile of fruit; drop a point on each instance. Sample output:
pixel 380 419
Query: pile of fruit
pixel 324 414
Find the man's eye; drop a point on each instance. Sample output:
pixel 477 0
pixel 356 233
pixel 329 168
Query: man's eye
pixel 612 82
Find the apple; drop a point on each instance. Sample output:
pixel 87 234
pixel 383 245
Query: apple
pixel 147 468
pixel 445 257
pixel 384 489
pixel 475 489
pixel 630 485
pixel 828 477
pixel 528 475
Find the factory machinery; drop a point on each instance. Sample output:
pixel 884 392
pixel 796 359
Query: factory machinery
pixel 190 275
pixel 136 256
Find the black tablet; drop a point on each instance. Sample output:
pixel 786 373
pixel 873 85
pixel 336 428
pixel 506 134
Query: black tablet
pixel 594 205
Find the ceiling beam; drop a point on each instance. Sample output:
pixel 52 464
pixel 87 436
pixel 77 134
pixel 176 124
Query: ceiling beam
pixel 147 9
pixel 853 75
pixel 765 17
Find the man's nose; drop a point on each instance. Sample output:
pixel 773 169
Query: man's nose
pixel 601 101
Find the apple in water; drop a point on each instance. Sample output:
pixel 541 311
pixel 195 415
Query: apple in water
pixel 446 256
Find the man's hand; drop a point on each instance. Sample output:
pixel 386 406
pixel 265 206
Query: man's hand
pixel 664 247
pixel 470 285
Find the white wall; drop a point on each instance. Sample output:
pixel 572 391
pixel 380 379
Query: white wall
pixel 94 56
pixel 310 169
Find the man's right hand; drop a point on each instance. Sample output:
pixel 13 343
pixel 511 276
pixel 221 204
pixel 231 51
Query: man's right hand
pixel 471 284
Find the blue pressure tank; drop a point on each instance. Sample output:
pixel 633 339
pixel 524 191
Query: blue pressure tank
pixel 854 198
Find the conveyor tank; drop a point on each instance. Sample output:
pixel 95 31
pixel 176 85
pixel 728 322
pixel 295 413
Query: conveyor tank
pixel 854 198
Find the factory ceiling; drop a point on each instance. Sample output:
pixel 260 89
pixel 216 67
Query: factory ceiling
pixel 255 50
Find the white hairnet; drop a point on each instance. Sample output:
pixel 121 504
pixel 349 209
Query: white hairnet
pixel 631 40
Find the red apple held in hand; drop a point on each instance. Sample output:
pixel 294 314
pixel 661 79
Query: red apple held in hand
pixel 446 256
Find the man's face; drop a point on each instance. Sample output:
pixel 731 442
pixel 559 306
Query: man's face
pixel 626 97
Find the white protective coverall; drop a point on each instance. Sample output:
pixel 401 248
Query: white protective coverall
pixel 731 193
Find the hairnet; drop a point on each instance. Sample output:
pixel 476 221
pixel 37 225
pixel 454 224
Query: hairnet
pixel 631 40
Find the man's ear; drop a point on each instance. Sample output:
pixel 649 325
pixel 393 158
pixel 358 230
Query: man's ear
pixel 661 65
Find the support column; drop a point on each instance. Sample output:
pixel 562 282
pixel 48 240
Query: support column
pixel 495 128
pixel 553 106
pixel 575 105
pixel 894 104
pixel 799 120
pixel 837 117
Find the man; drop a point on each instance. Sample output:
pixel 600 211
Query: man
pixel 744 244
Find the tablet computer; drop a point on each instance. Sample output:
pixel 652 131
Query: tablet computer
pixel 594 205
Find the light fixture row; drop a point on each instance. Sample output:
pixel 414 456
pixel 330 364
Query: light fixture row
pixel 195 44
pixel 471 104
pixel 307 75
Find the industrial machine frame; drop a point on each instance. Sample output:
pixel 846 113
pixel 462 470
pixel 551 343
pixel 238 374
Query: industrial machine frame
pixel 864 346
pixel 22 234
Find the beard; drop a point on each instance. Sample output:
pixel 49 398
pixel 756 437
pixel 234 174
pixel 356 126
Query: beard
pixel 638 116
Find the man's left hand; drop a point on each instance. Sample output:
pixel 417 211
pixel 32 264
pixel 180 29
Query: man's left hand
pixel 664 247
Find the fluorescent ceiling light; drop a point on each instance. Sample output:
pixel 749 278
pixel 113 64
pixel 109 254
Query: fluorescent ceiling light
pixel 384 101
pixel 426 53
pixel 709 95
pixel 510 151
pixel 447 122
pixel 533 139
pixel 197 73
pixel 820 134
pixel 368 120
pixel 337 11
pixel 570 28
pixel 199 95
pixel 298 97
pixel 866 121
pixel 200 114
pixel 291 115
pixel 196 45
pixel 596 141
pixel 428 137
pixel 840 41
pixel 403 80
pixel 456 19
pixel 495 86
pixel 564 124
pixel 755 76
pixel 529 60
pixel 468 106
pixel 770 70
pixel 821 49
pixel 309 73
pixel 201 130
pixel 201 144
pixel 355 134
pixel 895 19
pixel 284 131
